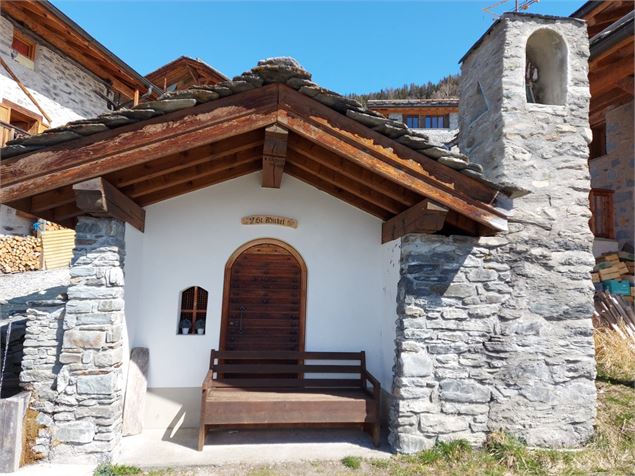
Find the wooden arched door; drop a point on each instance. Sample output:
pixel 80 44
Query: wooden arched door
pixel 264 298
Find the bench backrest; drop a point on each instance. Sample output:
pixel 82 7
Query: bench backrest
pixel 284 369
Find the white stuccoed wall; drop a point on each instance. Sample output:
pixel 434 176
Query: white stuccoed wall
pixel 352 278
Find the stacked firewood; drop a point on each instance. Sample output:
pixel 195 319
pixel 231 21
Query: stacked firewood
pixel 50 226
pixel 19 253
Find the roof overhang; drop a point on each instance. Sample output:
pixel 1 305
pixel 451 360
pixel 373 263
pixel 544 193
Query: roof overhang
pixel 193 148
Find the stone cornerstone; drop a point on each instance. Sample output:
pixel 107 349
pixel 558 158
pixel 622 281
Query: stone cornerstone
pixel 74 351
pixel 495 333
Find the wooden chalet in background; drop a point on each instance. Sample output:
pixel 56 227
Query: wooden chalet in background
pixel 611 70
pixel 184 72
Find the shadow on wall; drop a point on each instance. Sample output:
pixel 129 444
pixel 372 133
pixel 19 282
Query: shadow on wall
pixel 13 322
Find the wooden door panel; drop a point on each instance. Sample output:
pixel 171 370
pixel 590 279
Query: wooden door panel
pixel 264 299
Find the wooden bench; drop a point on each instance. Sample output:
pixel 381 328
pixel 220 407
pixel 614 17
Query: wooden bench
pixel 265 389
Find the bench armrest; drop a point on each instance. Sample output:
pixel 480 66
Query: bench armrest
pixel 207 383
pixel 368 377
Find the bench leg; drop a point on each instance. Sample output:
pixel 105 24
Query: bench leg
pixel 202 433
pixel 376 434
pixel 373 429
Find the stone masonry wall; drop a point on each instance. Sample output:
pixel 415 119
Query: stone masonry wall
pixel 41 364
pixel 495 333
pixel 616 170
pixel 63 89
pixel 80 381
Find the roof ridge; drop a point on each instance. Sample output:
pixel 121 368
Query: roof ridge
pixel 280 70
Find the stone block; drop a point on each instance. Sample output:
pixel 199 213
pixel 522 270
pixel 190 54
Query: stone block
pixel 103 384
pixel 84 339
pixel 82 431
pixel 415 364
pixel 435 423
pixel 465 391
pixel 108 357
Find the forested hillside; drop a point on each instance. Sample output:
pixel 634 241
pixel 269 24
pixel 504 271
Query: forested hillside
pixel 448 87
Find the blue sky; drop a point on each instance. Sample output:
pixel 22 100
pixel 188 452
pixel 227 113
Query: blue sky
pixel 348 46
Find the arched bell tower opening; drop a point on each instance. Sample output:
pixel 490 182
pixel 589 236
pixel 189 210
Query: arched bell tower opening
pixel 546 68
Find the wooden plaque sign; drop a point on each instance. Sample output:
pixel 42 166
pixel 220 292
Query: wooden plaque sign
pixel 269 220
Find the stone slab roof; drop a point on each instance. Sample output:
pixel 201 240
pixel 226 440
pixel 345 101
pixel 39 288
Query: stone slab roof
pixel 283 70
pixel 413 102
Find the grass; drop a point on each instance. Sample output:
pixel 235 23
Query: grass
pixel 615 354
pixel 108 469
pixel 352 462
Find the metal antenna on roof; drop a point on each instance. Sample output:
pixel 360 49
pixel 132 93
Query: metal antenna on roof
pixel 519 5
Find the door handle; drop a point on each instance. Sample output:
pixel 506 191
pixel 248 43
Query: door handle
pixel 240 321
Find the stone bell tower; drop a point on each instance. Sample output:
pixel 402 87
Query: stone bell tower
pixel 524 112
pixel 495 333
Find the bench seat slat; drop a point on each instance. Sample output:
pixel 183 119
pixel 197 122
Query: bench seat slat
pixel 287 383
pixel 258 368
pixel 285 355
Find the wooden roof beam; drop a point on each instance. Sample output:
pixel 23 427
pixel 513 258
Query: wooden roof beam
pixel 358 189
pixel 200 182
pixel 211 167
pixel 274 155
pixel 97 197
pixel 345 167
pixel 337 192
pixel 425 217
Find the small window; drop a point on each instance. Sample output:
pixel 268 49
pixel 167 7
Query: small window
pixel 436 121
pixel 601 222
pixel 412 121
pixel 597 148
pixel 24 49
pixel 193 313
pixel 17 121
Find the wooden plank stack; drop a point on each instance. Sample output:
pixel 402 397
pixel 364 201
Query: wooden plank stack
pixel 614 273
pixel 57 247
pixel 19 254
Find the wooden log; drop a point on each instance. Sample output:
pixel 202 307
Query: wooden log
pixel 424 217
pixel 98 197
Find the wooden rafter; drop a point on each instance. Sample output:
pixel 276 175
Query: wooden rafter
pixel 337 192
pixel 98 197
pixel 348 169
pixel 274 154
pixel 360 190
pixel 211 167
pixel 424 217
pixel 201 182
